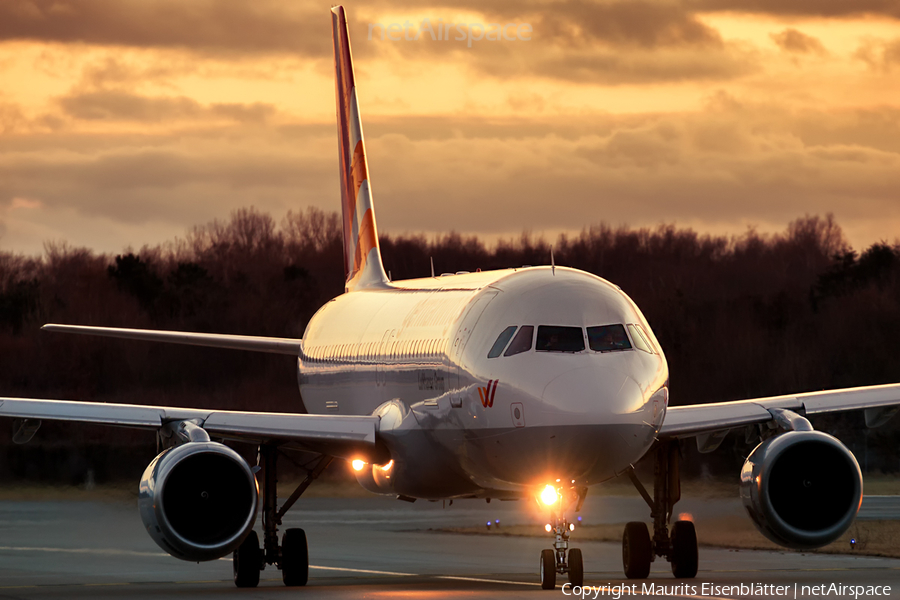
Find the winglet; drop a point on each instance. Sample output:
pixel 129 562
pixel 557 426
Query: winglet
pixel 362 256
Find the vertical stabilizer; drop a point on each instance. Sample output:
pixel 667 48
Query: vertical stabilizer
pixel 362 256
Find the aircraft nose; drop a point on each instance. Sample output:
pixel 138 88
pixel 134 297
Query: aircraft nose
pixel 594 392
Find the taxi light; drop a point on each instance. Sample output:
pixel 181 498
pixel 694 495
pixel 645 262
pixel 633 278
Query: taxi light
pixel 571 526
pixel 358 465
pixel 549 495
pixel 547 528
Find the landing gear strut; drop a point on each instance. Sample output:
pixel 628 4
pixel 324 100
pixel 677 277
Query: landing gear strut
pixel 292 556
pixel 561 559
pixel 680 549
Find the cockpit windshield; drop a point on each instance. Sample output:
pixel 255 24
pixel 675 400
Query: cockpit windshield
pixel 558 338
pixel 606 338
pixel 522 341
pixel 554 338
pixel 502 340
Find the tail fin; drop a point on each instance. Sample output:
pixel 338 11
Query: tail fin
pixel 362 256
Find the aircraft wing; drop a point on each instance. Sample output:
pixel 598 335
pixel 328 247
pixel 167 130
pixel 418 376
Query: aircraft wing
pixel 880 401
pixel 274 345
pixel 346 436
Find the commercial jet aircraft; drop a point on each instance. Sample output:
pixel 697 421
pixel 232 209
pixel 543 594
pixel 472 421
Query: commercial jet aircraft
pixel 522 383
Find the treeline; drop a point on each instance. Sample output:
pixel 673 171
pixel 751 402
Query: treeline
pixel 740 316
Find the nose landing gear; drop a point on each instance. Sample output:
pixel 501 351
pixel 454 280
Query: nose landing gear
pixel 560 559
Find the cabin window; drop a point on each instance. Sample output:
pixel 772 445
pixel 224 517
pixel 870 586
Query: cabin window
pixel 522 341
pixel 638 338
pixel 502 341
pixel 606 338
pixel 554 338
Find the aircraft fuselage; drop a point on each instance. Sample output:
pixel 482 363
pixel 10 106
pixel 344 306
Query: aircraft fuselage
pixel 460 423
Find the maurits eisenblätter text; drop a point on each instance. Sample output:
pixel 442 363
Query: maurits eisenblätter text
pixel 795 590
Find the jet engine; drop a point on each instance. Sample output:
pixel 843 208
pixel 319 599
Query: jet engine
pixel 198 500
pixel 375 478
pixel 802 489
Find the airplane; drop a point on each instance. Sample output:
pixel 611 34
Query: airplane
pixel 524 383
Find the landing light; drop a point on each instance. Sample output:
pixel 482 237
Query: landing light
pixel 547 528
pixel 358 465
pixel 571 526
pixel 549 495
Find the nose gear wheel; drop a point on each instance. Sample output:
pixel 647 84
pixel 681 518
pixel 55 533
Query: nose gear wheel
pixel 561 559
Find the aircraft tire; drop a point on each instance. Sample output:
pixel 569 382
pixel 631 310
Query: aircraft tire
pixel 294 558
pixel 636 552
pixel 684 550
pixel 576 567
pixel 548 569
pixel 246 562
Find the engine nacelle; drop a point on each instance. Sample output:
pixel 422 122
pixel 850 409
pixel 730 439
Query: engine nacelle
pixel 376 478
pixel 198 500
pixel 802 489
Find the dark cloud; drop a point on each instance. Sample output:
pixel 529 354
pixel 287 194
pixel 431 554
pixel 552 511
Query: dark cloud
pixel 596 65
pixel 642 23
pixel 221 26
pixel 610 68
pixel 11 117
pixel 185 179
pixel 791 40
pixel 880 55
pixel 112 105
pixel 118 106
pixel 734 163
pixel 606 42
pixel 111 71
pixel 597 43
pixel 818 8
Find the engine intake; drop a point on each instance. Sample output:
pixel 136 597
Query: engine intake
pixel 802 489
pixel 198 500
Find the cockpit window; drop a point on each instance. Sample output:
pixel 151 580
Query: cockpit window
pixel 502 340
pixel 649 337
pixel 522 341
pixel 637 337
pixel 553 338
pixel 606 338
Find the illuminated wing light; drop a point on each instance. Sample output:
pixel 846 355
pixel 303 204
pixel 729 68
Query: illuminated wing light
pixel 358 465
pixel 548 528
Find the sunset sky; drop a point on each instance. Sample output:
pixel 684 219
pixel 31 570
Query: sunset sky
pixel 125 122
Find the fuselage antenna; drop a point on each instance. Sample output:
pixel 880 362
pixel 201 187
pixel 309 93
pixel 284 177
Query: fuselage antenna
pixel 552 263
pixel 431 258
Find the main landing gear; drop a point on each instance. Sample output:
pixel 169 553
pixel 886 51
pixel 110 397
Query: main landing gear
pixel 292 556
pixel 561 559
pixel 679 548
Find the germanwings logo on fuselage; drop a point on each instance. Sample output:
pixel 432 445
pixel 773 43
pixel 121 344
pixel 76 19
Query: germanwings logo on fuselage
pixel 487 393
